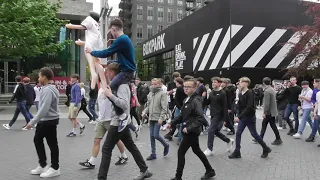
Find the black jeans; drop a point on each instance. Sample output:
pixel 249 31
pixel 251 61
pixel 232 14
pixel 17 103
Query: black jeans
pixel 190 140
pixel 229 122
pixel 48 130
pixel 83 107
pixel 133 112
pixel 214 129
pixel 112 138
pixel 272 121
pixel 249 122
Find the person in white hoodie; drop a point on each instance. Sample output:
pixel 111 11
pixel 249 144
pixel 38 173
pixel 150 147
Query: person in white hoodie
pixel 47 119
pixel 37 90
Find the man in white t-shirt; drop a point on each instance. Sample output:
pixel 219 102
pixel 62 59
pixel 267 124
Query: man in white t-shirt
pixel 37 90
pixel 94 42
pixel 101 129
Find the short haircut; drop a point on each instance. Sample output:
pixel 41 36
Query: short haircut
pixel 216 79
pixel 76 76
pixel 47 72
pixel 317 80
pixel 26 80
pixel 293 77
pixel 245 79
pixel 226 80
pixel 200 79
pixel 116 23
pixel 305 83
pixel 138 79
pixel 81 85
pixel 156 79
pixel 179 80
pixel 18 78
pixel 114 67
pixel 187 77
pixel 161 80
pixel 266 81
pixel 95 16
pixel 176 75
pixel 192 80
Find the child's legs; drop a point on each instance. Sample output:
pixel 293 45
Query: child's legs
pixel 94 76
pixel 121 78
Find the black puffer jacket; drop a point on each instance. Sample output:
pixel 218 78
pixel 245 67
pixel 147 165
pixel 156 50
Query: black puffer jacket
pixel 281 100
pixel 191 115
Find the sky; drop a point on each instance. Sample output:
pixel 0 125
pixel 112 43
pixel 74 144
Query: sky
pixel 112 3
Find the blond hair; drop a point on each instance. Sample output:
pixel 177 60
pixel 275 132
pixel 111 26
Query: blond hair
pixel 81 85
pixel 245 79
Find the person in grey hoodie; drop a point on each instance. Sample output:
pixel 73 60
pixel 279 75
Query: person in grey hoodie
pixel 47 119
pixel 157 106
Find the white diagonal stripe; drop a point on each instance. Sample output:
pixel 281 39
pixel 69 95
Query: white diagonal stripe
pixel 195 40
pixel 265 48
pixel 200 49
pixel 305 52
pixel 210 49
pixel 279 57
pixel 224 44
pixel 243 45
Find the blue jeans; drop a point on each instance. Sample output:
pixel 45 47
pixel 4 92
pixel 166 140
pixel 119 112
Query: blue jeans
pixel 155 135
pixel 132 127
pixel 121 78
pixel 37 104
pixel 305 118
pixel 176 114
pixel 249 122
pixel 315 127
pixel 214 129
pixel 292 108
pixel 92 105
pixel 21 107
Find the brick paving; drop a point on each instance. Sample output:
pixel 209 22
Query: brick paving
pixel 295 159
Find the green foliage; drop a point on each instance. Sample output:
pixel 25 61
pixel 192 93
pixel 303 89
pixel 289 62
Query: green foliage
pixel 29 28
pixel 34 75
pixel 141 70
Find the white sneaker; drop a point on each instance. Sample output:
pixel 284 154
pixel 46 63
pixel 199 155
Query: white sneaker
pixel 50 173
pixel 6 126
pixel 164 128
pixel 228 130
pixel 280 128
pixel 208 152
pixel 38 170
pixel 297 136
pixel 236 124
pixel 230 145
pixel 224 128
pixel 24 129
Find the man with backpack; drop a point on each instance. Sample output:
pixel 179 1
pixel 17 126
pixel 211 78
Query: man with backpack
pixel 142 93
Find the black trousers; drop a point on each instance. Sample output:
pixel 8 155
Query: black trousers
pixel 190 140
pixel 48 130
pixel 112 138
pixel 229 122
pixel 272 121
pixel 133 112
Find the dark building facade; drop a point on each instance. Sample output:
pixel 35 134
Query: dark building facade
pixel 229 38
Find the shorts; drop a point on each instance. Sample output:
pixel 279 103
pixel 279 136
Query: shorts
pixel 101 129
pixel 72 113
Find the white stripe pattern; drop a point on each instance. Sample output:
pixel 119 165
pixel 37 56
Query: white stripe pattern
pixel 279 57
pixel 200 49
pixel 210 49
pixel 234 30
pixel 243 46
pixel 265 48
pixel 195 40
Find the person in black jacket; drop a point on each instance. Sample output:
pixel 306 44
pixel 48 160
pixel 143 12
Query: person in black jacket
pixel 219 114
pixel 192 120
pixel 281 105
pixel 142 95
pixel 231 96
pixel 20 95
pixel 247 118
pixel 93 95
pixel 178 101
pixel 68 93
pixel 30 95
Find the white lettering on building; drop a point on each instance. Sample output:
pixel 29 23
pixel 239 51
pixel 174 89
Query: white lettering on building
pixel 154 45
pixel 180 57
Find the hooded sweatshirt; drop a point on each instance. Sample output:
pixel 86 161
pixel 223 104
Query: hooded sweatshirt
pixel 48 105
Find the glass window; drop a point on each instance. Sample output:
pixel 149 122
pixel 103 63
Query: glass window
pixel 150 13
pixel 179 14
pixel 160 28
pixel 160 14
pixel 160 1
pixel 170 14
pixel 170 2
pixel 180 3
pixel 139 12
pixel 150 30
pixel 199 2
pixel 139 31
pixel 150 0
pixel 190 4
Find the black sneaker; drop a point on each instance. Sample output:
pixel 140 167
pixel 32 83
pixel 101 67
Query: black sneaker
pixel 254 141
pixel 291 132
pixel 71 134
pixel 152 157
pixel 318 145
pixel 143 175
pixel 310 139
pixel 277 142
pixel 87 164
pixel 82 129
pixel 231 133
pixel 175 178
pixel 208 175
pixel 266 152
pixel 235 155
pixel 121 161
pixel 168 136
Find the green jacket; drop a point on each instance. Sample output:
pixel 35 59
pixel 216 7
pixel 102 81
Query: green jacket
pixel 157 106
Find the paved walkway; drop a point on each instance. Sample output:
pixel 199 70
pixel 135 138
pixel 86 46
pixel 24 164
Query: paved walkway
pixel 295 159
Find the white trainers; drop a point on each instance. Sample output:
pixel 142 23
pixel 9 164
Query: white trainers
pixel 280 128
pixel 50 173
pixel 230 145
pixel 236 125
pixel 297 136
pixel 38 170
pixel 208 152
pixel 24 129
pixel 224 128
pixel 6 126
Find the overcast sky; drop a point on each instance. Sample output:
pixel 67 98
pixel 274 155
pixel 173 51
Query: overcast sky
pixel 112 3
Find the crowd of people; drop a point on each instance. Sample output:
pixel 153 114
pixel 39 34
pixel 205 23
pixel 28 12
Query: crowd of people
pixel 180 106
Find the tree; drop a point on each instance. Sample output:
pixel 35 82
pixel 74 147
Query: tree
pixel 34 75
pixel 29 28
pixel 307 62
pixel 141 70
